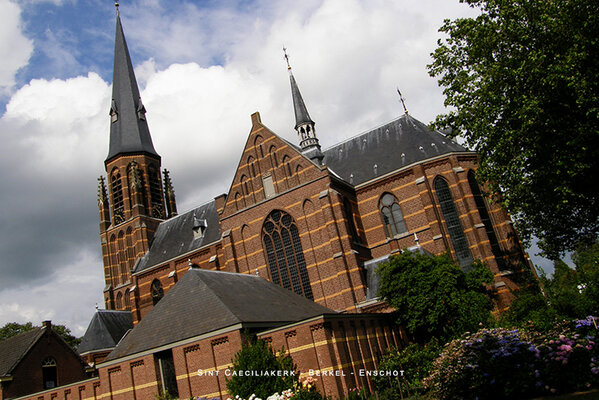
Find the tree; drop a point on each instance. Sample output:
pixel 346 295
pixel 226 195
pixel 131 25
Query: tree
pixel 569 294
pixel 252 367
pixel 433 297
pixel 523 80
pixel 13 328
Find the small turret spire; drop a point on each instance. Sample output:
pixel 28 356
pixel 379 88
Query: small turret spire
pixel 169 194
pixel 303 123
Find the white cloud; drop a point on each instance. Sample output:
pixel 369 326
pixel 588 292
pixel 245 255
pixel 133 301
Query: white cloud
pixel 15 48
pixel 60 123
pixel 72 305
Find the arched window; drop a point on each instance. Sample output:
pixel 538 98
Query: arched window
pixel 127 300
pixel 251 166
pixel 119 301
pixel 130 249
pixel 392 216
pixel 273 156
pixel 49 375
pixel 287 163
pixel 239 201
pixel 156 291
pixel 284 253
pixel 452 221
pixel 485 219
pixel 118 209
pixel 122 256
pixel 114 262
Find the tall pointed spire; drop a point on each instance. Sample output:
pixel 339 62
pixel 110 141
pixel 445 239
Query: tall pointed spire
pixel 303 123
pixel 129 133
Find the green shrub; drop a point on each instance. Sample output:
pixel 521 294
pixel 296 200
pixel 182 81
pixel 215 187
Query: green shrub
pixel 415 361
pixel 255 358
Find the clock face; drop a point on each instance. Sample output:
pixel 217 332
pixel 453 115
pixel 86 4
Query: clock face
pixel 119 217
pixel 158 211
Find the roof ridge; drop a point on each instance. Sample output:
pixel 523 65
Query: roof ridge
pixel 225 305
pixel 226 272
pixel 188 211
pixel 367 131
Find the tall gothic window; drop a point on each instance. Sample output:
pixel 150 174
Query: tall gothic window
pixel 118 209
pixel 156 291
pixel 486 219
pixel 392 216
pixel 127 300
pixel 284 253
pixel 452 221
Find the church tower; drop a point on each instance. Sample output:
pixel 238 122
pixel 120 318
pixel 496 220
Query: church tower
pixel 132 200
pixel 304 125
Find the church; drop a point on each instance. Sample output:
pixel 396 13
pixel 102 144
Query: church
pixel 288 254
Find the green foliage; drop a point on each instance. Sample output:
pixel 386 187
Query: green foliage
pixel 255 358
pixel 12 329
pixel 569 293
pixel 165 396
pixel 433 296
pixel 523 80
pixel 415 361
pixel 530 308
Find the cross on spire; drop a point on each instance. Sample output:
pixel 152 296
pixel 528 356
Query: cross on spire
pixel 286 58
pixel 402 102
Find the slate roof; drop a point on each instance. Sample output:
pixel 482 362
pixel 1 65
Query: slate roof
pixel 129 133
pixel 12 350
pixel 392 146
pixel 204 301
pixel 176 235
pixel 105 330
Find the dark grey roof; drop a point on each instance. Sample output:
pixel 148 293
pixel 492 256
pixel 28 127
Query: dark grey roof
pixel 12 350
pixel 105 330
pixel 177 235
pixel 390 147
pixel 129 133
pixel 301 112
pixel 204 301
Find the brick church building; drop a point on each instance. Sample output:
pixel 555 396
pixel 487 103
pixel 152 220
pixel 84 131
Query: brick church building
pixel 289 253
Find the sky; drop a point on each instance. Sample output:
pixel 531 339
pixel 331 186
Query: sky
pixel 203 68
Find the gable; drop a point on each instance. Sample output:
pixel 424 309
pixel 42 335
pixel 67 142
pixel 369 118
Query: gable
pixel 269 165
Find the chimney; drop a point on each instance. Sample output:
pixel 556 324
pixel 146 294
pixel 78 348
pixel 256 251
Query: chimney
pixel 47 324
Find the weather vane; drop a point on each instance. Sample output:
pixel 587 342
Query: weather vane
pixel 286 57
pixel 402 102
pixel 116 4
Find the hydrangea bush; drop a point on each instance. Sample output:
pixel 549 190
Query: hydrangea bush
pixel 503 363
